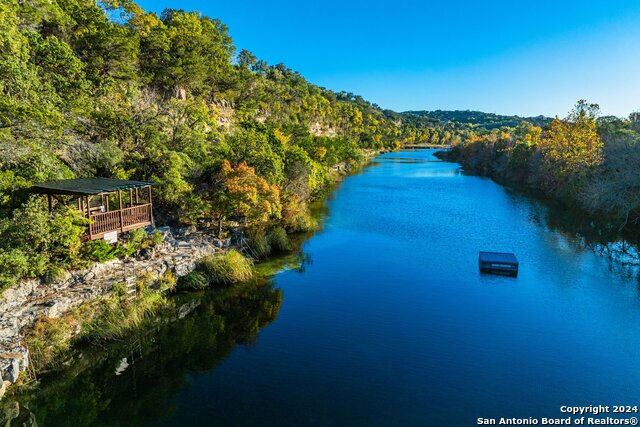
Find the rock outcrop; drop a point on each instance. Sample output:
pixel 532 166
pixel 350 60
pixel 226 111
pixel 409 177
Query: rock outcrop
pixel 22 305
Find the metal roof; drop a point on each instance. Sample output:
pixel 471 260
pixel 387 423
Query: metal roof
pixel 86 186
pixel 504 257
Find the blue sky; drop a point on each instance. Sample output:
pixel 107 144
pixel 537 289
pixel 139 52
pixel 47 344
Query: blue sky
pixel 507 57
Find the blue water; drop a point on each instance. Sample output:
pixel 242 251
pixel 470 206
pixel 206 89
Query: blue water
pixel 390 323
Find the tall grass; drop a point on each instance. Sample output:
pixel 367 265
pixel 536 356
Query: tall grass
pixel 115 318
pixel 194 281
pixel 302 222
pixel 227 269
pixel 51 341
pixel 261 245
pixel 278 240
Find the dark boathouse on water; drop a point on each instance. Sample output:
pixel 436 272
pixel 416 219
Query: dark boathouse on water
pixel 498 263
pixel 112 205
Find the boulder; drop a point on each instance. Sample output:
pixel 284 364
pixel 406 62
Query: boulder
pixel 12 372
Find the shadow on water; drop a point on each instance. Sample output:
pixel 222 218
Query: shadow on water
pixel 129 383
pixel 587 232
pixel 604 238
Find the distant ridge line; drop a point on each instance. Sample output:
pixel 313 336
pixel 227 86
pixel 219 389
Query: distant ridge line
pixel 478 118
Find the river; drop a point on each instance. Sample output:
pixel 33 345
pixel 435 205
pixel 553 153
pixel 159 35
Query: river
pixel 381 319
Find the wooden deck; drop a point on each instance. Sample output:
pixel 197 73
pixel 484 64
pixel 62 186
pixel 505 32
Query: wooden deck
pixel 120 220
pixel 96 199
pixel 503 263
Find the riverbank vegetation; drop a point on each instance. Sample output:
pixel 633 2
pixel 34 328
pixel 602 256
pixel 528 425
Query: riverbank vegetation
pixel 107 89
pixel 189 334
pixel 583 160
pixel 227 269
pixel 51 341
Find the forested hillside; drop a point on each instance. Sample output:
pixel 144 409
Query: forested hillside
pixel 478 120
pixel 107 89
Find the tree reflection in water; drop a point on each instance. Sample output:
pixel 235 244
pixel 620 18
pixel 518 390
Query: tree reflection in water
pixel 129 383
pixel 596 234
pixel 193 335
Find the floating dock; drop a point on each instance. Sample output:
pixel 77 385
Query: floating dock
pixel 504 263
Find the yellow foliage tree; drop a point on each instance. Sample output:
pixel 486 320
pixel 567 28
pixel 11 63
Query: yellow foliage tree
pixel 321 152
pixel 284 139
pixel 572 146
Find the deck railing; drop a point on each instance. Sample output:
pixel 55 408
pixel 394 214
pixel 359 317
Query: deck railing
pixel 120 220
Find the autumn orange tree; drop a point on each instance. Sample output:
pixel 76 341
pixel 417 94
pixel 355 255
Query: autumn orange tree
pixel 244 195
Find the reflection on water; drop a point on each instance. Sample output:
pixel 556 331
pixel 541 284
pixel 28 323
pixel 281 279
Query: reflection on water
pixel 584 232
pixel 435 172
pixel 386 320
pixel 127 383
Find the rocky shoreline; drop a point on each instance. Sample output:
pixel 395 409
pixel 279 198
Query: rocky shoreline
pixel 21 306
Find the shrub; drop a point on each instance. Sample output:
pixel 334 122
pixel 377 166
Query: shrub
pixel 168 281
pixel 156 237
pixel 14 264
pixel 34 241
pixel 98 250
pixel 226 269
pixel 194 281
pixel 121 250
pixel 135 238
pixel 258 245
pixel 278 240
pixel 53 274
